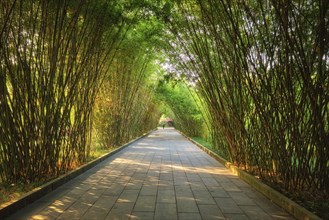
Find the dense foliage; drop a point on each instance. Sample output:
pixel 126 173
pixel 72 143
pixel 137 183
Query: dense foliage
pixel 125 107
pixel 250 75
pixel 186 114
pixel 52 57
pixel 261 68
pixel 55 56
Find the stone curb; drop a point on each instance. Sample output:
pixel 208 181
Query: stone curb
pixel 284 202
pixel 11 207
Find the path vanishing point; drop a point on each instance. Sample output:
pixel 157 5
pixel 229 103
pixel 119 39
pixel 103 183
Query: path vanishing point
pixel 161 176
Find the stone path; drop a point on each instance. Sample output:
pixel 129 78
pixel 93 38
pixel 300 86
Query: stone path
pixel 162 176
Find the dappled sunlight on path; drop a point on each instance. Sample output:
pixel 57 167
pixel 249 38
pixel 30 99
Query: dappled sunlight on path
pixel 162 176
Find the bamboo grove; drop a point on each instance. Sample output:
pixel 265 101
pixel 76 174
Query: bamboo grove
pixel 261 69
pixel 130 110
pixel 55 58
pixel 77 75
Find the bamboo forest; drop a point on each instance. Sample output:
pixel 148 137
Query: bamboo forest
pixel 248 78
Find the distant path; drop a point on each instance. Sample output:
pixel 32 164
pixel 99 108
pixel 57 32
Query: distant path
pixel 162 176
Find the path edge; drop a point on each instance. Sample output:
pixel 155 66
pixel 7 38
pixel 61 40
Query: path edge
pixel 11 207
pixel 279 199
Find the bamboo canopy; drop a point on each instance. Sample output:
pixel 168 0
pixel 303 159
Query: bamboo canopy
pixel 251 77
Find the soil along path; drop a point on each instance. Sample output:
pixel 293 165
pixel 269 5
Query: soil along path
pixel 162 176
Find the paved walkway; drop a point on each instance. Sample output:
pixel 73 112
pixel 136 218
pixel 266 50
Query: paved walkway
pixel 162 176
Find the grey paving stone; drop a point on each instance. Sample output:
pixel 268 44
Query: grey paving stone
pixel 95 213
pixel 230 187
pixel 210 212
pixel 218 192
pixel 153 173
pixel 166 196
pixel 205 175
pixel 134 185
pixel 120 211
pixel 165 185
pixel 139 176
pixel 210 182
pixel 185 191
pixel 254 212
pixel 236 217
pixel 189 216
pixel 129 195
pixel 224 177
pixel 145 204
pixel 151 180
pixel 78 191
pixel 166 176
pixel 142 216
pixel 192 176
pixel 105 202
pixel 165 211
pixel 59 206
pixel 203 197
pixel 91 196
pixel 227 205
pixel 186 204
pixel 241 198
pixel 181 180
pixel 197 186
pixel 149 190
pixel 114 190
pixel 77 210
